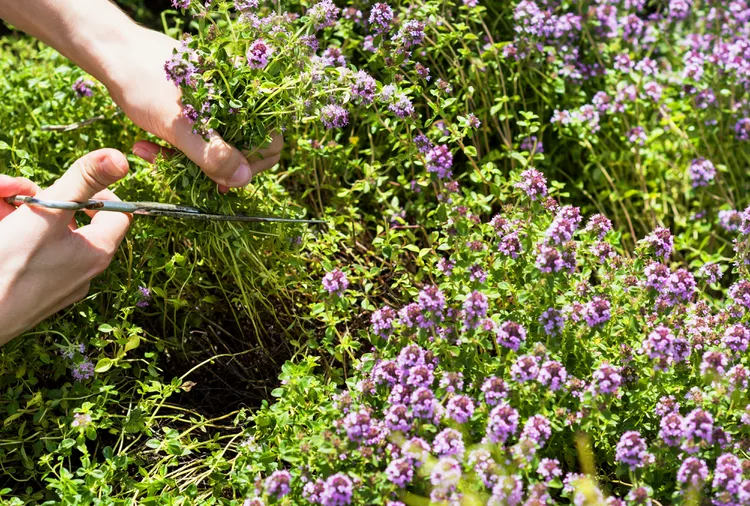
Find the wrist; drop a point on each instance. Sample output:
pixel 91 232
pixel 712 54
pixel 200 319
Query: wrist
pixel 102 50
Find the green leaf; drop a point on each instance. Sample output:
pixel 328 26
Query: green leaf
pixel 133 342
pixel 103 365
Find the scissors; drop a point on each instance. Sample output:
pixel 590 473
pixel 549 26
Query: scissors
pixel 149 209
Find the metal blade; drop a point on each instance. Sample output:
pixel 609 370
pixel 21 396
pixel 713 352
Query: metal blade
pixel 150 209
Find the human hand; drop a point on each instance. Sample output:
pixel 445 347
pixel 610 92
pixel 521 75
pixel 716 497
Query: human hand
pixel 48 262
pixel 139 86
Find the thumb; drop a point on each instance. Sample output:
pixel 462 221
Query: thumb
pixel 89 175
pixel 220 161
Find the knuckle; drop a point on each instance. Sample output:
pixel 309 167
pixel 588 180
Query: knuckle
pixel 82 292
pixel 101 262
pixel 92 178
pixel 220 158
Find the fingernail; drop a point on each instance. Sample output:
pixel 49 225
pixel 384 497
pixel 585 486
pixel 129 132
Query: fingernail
pixel 115 171
pixel 241 177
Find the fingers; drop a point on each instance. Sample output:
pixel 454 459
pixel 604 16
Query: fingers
pixel 148 151
pixel 104 234
pixel 10 186
pixel 220 161
pixel 265 158
pixel 89 175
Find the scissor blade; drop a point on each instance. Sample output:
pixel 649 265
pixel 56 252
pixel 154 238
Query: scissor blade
pixel 221 217
pixel 150 209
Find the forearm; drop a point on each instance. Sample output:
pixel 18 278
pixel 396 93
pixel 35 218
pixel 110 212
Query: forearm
pixel 91 33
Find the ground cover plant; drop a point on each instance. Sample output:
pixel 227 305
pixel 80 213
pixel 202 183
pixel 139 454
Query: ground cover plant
pixel 531 287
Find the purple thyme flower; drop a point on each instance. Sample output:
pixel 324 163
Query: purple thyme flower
pixel 714 363
pixel 410 34
pixel 660 242
pixel 510 335
pixel 730 220
pixel 245 5
pixel 526 368
pixel 381 17
pixel 323 14
pixel 334 116
pixel 423 403
pixel 736 338
pixel 83 370
pixel 552 321
pixel 83 87
pixel 737 378
pixel 637 136
pixel 333 57
pixel 385 372
pixel 279 484
pixel 742 129
pixel 424 145
pixel 364 86
pixel 702 172
pixel 446 473
pixel 400 472
pixel 397 418
pixel 145 296
pixel 475 308
pixel 508 491
pixel 537 429
pixel 494 390
pixel 181 4
pixel 553 375
pixel 448 442
pixel 656 276
pixel 666 405
pixel 533 183
pixel 338 491
pixel 258 54
pixel 631 451
pixel 564 225
pixel 532 145
pixel 418 376
pixel 439 161
pixel 658 345
pixel 728 473
pixel 335 282
pixel 693 472
pixel 382 321
pixel 740 293
pixel 510 244
pixel 432 299
pixel 480 460
pixel 359 426
pixel 452 382
pixel 697 426
pixel 310 42
pixel 460 408
pixel 549 259
pixel 671 428
pixel 598 225
pixel 549 469
pixel 502 423
pixel 180 70
pixel 596 312
pixel 402 107
pixel 416 450
pixel 711 272
pixel 477 274
pixel 607 379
